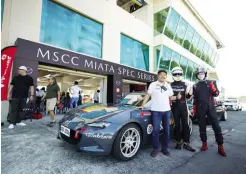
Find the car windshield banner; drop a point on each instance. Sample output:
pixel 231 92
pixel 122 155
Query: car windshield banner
pixel 7 59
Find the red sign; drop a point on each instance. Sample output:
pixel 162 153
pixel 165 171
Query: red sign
pixel 7 59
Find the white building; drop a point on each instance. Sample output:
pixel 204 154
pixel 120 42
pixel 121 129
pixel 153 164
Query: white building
pixel 158 34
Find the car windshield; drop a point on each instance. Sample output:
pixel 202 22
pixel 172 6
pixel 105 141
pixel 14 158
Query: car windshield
pixel 133 99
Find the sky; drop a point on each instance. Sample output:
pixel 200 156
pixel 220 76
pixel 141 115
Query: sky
pixel 227 20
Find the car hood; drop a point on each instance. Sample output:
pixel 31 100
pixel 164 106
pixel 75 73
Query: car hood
pixel 90 113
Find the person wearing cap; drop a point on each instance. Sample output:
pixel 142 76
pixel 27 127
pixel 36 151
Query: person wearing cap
pixel 52 98
pixel 204 92
pixel 18 94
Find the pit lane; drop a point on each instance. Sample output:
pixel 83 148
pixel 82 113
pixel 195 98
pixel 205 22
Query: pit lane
pixel 35 149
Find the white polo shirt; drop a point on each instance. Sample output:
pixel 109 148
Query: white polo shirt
pixel 159 97
pixel 75 91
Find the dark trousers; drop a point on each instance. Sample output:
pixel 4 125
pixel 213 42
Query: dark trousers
pixel 95 101
pixel 209 110
pixel 157 118
pixel 16 111
pixel 180 114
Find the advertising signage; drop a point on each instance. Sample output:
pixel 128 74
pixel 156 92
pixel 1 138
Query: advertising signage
pixel 56 56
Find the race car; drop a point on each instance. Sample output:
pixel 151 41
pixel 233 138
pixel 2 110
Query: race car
pixel 119 129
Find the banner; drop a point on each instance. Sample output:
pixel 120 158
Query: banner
pixel 7 59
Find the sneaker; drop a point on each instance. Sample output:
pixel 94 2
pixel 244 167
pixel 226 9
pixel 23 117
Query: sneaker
pixel 188 147
pixel 221 150
pixel 20 124
pixel 154 154
pixel 11 126
pixel 204 146
pixel 178 145
pixel 166 152
pixel 51 124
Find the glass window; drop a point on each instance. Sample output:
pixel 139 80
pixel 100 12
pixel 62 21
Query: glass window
pixel 134 53
pixel 82 34
pixel 180 33
pixel 210 52
pixel 195 66
pixel 157 53
pixel 205 52
pixel 159 21
pixel 189 70
pixel 175 60
pixel 188 37
pixel 2 9
pixel 200 47
pixel 172 24
pixel 195 42
pixel 216 60
pixel 213 57
pixel 183 65
pixel 165 58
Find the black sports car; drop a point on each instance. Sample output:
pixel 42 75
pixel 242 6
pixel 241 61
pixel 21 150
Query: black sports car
pixel 220 110
pixel 103 130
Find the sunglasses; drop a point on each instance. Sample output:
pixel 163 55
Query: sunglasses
pixel 177 74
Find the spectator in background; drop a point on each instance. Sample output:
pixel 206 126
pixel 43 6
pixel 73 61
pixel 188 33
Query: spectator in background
pixel 19 88
pixel 67 101
pixel 53 97
pixel 96 96
pixel 80 99
pixel 39 96
pixel 75 90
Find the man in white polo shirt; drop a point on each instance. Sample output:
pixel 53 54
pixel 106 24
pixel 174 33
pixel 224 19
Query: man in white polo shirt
pixel 160 92
pixel 75 94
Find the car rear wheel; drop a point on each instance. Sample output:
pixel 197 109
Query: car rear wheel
pixel 224 116
pixel 127 142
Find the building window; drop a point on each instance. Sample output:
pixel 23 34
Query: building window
pixel 66 29
pixel 200 47
pixel 134 53
pixel 175 60
pixel 2 9
pixel 210 52
pixel 172 24
pixel 195 42
pixel 205 52
pixel 160 19
pixel 165 58
pixel 183 65
pixel 189 70
pixel 188 37
pixel 181 31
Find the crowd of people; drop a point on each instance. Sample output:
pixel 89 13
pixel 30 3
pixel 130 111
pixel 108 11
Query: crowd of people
pixel 161 93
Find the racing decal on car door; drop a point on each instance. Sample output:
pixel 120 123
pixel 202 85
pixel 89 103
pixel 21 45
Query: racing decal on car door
pixel 149 129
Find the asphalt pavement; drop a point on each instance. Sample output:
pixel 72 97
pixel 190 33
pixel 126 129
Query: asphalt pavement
pixel 34 149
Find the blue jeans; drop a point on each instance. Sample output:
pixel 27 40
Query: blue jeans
pixel 74 99
pixel 157 117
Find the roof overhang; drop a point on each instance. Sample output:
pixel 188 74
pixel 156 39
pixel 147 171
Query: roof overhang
pixel 219 43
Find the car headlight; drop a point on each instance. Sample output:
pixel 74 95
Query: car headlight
pixel 99 124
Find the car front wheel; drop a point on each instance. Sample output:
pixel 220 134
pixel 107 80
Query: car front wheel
pixel 127 142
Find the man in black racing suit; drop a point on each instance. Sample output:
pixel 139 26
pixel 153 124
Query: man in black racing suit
pixel 180 109
pixel 204 92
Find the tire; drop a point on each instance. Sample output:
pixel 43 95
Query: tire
pixel 224 116
pixel 120 150
pixel 190 126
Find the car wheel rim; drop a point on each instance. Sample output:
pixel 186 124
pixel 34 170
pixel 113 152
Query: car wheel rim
pixel 130 142
pixel 190 126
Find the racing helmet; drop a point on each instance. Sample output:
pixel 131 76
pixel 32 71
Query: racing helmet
pixel 177 73
pixel 201 73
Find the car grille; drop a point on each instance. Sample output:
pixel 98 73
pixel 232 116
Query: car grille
pixel 71 140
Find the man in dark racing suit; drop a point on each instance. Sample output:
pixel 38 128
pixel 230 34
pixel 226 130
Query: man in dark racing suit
pixel 180 110
pixel 204 92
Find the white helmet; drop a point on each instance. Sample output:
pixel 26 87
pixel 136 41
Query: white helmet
pixel 177 73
